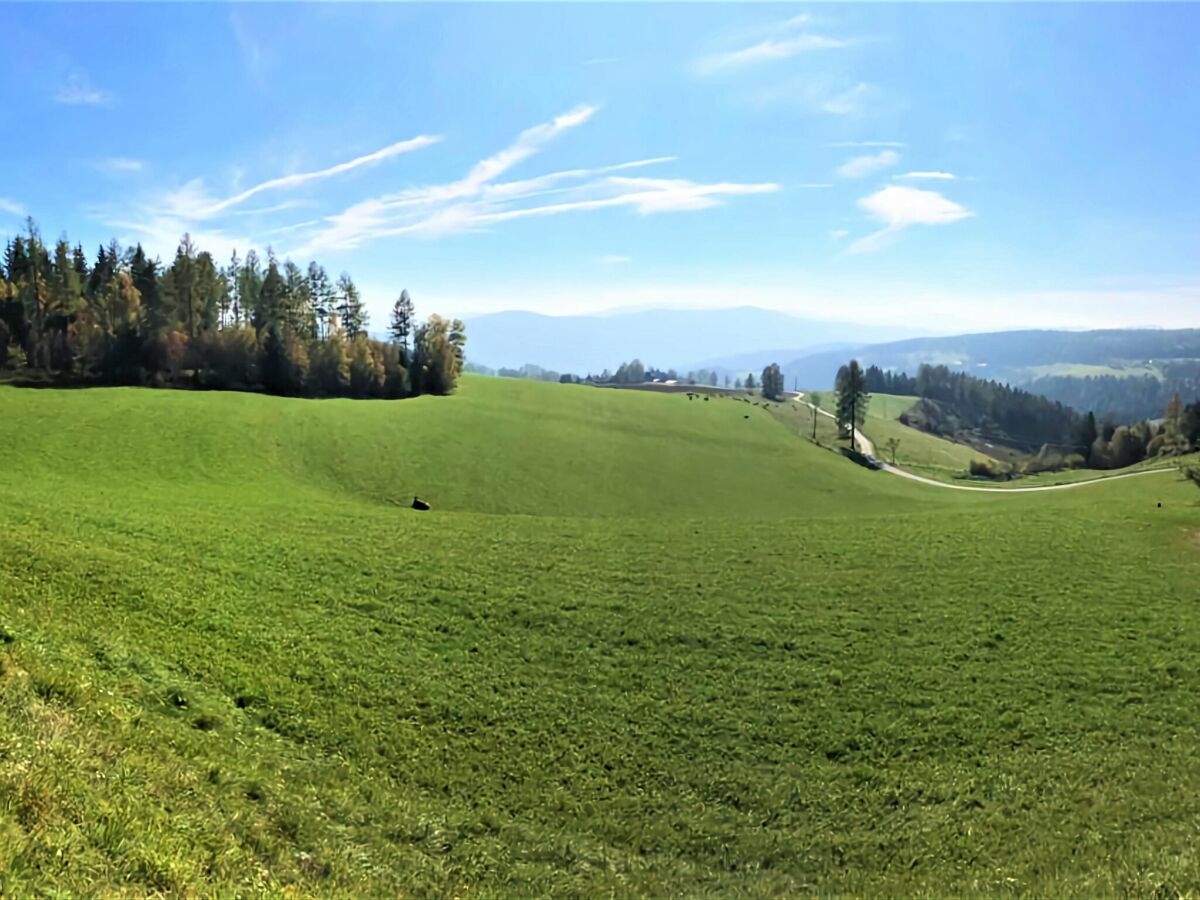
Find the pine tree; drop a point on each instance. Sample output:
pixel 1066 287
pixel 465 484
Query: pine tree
pixel 250 281
pixel 852 400
pixel 320 295
pixel 272 295
pixel 401 326
pixel 350 306
pixel 233 278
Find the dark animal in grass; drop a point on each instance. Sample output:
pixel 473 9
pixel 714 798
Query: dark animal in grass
pixel 418 503
pixel 706 399
pixel 745 417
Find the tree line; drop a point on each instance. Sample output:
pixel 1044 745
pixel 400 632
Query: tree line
pixel 1124 398
pixel 1055 435
pixel 252 325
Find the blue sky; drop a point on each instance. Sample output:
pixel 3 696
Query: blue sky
pixel 943 167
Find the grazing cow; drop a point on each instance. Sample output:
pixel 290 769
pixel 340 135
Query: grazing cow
pixel 418 503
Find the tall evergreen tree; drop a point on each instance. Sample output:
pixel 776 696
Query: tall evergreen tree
pixel 156 313
pixel 350 306
pixel 233 280
pixel 401 326
pixel 852 400
pixel 272 295
pixel 320 296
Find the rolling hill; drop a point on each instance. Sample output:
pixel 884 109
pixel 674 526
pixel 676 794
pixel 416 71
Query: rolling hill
pixel 641 645
pixel 1063 365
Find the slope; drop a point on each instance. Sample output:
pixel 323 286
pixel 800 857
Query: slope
pixel 229 663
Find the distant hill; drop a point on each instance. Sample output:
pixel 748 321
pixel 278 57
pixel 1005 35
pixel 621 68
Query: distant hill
pixel 1129 373
pixel 666 338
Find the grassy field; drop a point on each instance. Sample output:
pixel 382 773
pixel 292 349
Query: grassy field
pixel 1083 370
pixel 917 451
pixel 641 645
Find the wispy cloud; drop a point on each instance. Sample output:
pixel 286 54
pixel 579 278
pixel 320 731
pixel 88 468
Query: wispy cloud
pixel 861 166
pixel 12 207
pixel 930 176
pixel 614 260
pixel 119 165
pixel 816 94
pixel 787 39
pixel 274 208
pixel 813 185
pixel 865 144
pixel 898 207
pixel 850 101
pixel 838 233
pixel 78 91
pixel 478 200
pixel 192 202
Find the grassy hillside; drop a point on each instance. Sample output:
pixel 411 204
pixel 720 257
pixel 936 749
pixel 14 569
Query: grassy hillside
pixel 918 451
pixel 641 645
pixel 501 446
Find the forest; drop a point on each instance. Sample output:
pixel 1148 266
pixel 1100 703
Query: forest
pixel 251 325
pixel 1124 397
pixel 1055 435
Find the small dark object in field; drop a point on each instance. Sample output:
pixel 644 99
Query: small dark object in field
pixel 418 503
pixel 1160 505
pixel 706 399
pixel 745 417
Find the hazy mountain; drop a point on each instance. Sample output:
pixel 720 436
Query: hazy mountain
pixel 666 338
pixel 1129 373
pixel 1009 355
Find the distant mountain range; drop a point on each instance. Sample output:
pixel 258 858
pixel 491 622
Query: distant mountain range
pixel 1127 373
pixel 1019 357
pixel 737 339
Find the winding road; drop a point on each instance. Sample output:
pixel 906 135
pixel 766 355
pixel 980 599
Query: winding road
pixel 865 445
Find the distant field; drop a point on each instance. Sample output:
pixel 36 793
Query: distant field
pixel 641 645
pixel 1082 370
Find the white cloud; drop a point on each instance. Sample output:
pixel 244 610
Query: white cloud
pixel 897 207
pixel 12 207
pixel 849 102
pixel 783 41
pixel 767 51
pixel 291 181
pixel 861 166
pixel 117 165
pixel 814 185
pixel 613 260
pixel 865 144
pixel 931 176
pixel 78 91
pixel 838 233
pixel 478 201
pixel 815 94
pixel 273 208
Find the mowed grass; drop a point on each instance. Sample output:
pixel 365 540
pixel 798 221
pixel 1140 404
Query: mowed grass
pixel 641 645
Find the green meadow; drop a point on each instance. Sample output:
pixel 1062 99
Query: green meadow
pixel 640 645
